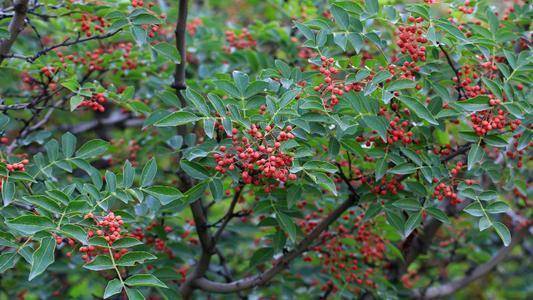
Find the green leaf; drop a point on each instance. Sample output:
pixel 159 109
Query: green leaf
pixel 8 191
pixel 478 103
pixel 134 257
pixel 405 168
pixel 325 182
pixel 148 173
pixel 193 169
pixel 30 224
pixel 376 123
pixel 475 155
pixel 438 214
pixel 168 51
pixel 412 222
pixel 401 85
pixel 407 204
pixel 177 118
pixel 134 294
pixel 68 144
pixel 497 207
pixel 8 260
pixel 475 209
pixel 71 84
pixel 164 194
pixel 145 18
pixel 484 223
pixel 419 109
pixel 92 148
pixel 75 101
pixel 139 34
pixel 113 287
pixel 241 81
pixel 322 166
pixel 144 280
pixel 76 232
pixel 42 257
pixel 286 223
pixel 341 16
pixel 372 6
pixel 262 255
pixel 128 174
pixel 503 232
pixel 126 242
pixel 99 263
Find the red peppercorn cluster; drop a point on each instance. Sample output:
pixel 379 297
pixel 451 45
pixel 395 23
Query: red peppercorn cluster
pixel 259 157
pixel 406 71
pixel 385 186
pixel 513 153
pixel 410 39
pixel 410 278
pixel 137 3
pixel 339 259
pixel 150 237
pixel 443 191
pixel 48 71
pixel 20 166
pixel 92 22
pixel 466 8
pixel 94 60
pixel 330 88
pixel 95 102
pixel 110 226
pixel 487 120
pixel 242 41
pixel 193 25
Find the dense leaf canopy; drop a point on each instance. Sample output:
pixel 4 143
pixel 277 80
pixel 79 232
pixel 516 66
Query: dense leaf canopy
pixel 297 149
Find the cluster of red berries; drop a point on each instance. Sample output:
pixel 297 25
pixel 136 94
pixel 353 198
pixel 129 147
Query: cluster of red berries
pixel 152 29
pixel 513 153
pixel 193 25
pixel 331 88
pixel 137 3
pixel 385 186
pixel 153 239
pixel 398 132
pixel 487 120
pixel 410 278
pixel 350 266
pixel 20 166
pixel 259 157
pixel 443 191
pixel 242 41
pixel 48 71
pixel 411 39
pixel 94 59
pixel 455 170
pixel 406 71
pixel 89 22
pixel 4 140
pixel 95 102
pixel 466 9
pixel 110 227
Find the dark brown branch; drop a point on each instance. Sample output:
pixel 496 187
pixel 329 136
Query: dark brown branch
pixel 181 24
pixel 67 42
pixel 229 214
pixel 281 263
pixel 458 87
pixel 15 27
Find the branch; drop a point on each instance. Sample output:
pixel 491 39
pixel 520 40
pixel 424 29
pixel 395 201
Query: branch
pixel 67 42
pixel 181 24
pixel 15 27
pixel 480 271
pixel 458 87
pixel 229 214
pixel 263 278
